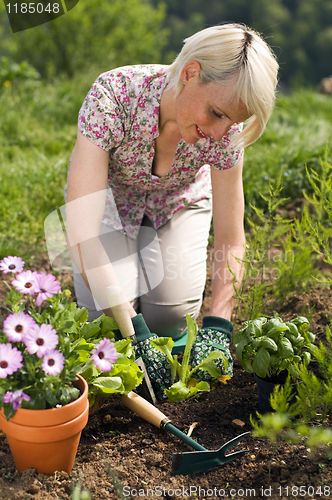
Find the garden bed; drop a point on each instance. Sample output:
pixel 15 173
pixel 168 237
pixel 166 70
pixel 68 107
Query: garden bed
pixel 122 456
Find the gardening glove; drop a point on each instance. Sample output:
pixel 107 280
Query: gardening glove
pixel 215 334
pixel 156 363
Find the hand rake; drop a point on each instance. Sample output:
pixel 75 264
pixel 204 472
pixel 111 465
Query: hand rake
pixel 188 462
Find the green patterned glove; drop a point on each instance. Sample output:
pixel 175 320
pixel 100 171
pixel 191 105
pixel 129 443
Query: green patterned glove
pixel 215 334
pixel 156 363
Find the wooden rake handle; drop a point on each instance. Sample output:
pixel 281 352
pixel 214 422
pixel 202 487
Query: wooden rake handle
pixel 144 409
pixel 120 312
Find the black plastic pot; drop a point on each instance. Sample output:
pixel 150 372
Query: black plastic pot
pixel 265 388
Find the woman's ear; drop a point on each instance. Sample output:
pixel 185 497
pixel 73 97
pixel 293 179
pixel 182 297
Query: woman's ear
pixel 190 70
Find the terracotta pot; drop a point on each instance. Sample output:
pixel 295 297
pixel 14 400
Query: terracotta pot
pixel 47 440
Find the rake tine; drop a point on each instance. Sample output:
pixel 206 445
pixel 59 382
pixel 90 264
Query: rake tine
pixel 233 442
pixel 232 456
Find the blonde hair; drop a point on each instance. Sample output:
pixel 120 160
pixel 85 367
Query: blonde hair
pixel 234 52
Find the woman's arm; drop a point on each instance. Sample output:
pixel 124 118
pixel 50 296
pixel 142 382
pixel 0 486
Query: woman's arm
pixel 229 237
pixel 86 196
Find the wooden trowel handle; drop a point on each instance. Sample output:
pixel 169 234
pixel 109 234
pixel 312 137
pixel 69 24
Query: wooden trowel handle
pixel 144 409
pixel 120 312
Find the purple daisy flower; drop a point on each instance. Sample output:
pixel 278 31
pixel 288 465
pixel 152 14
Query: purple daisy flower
pixel 41 339
pixel 104 355
pixel 25 282
pixel 15 398
pixel 53 362
pixel 17 325
pixel 10 360
pixel 46 287
pixel 11 264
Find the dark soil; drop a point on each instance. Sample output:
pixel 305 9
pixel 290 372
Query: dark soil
pixel 122 456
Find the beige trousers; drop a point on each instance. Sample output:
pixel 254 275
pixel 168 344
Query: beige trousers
pixel 162 272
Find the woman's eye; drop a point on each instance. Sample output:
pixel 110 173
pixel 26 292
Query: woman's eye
pixel 218 115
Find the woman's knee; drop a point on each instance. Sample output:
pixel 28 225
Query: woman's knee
pixel 169 320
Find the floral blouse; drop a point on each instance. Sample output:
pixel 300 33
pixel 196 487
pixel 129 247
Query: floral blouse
pixel 120 114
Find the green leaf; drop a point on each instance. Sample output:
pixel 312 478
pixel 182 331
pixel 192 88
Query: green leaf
pixel 164 345
pixel 179 391
pixel 239 348
pixel 81 315
pixel 50 396
pixel 255 326
pixel 292 328
pixel 109 385
pixel 247 362
pixel 285 364
pixel 88 371
pixel 309 337
pixel 192 334
pixel 274 327
pixel 285 348
pixel 269 344
pixel 306 358
pixel 125 347
pixel 209 365
pixel 108 324
pixel 89 330
pixel 261 362
pixel 293 340
pixel 294 372
pixel 130 374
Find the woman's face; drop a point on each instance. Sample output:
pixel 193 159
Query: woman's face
pixel 204 109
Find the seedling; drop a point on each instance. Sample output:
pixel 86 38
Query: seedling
pixel 185 385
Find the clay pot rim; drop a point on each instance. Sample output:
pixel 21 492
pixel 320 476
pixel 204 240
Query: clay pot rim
pixel 52 415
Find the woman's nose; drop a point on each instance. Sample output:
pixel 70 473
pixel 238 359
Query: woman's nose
pixel 217 133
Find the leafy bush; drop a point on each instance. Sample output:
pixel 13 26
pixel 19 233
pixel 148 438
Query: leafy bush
pixel 302 421
pixel 270 347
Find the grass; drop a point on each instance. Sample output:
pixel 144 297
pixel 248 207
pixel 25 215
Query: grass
pixel 37 135
pixel 38 131
pixel 295 136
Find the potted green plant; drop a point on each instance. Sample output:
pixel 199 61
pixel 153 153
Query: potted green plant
pixel 52 364
pixel 273 350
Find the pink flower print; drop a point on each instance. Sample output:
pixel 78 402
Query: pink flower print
pixel 82 118
pixel 228 163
